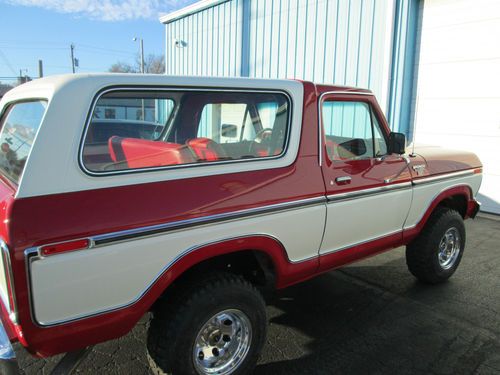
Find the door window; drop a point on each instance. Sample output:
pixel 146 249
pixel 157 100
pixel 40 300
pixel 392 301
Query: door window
pixel 352 131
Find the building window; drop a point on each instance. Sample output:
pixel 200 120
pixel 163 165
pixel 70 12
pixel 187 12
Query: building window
pixel 174 128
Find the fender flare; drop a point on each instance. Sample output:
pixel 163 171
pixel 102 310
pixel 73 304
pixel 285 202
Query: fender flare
pixel 464 190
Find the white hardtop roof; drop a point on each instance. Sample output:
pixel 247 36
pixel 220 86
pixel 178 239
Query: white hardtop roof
pixel 45 87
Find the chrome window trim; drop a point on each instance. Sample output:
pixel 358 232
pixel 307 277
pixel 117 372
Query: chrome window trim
pixel 188 165
pixel 332 198
pixel 10 280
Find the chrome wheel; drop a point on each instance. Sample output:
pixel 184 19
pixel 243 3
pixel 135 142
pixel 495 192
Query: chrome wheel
pixel 449 248
pixel 222 343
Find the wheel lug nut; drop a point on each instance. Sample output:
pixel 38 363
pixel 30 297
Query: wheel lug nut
pixel 227 322
pixel 226 338
pixel 201 355
pixel 215 352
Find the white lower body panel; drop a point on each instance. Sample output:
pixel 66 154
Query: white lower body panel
pixel 363 219
pixel 81 283
pixel 425 194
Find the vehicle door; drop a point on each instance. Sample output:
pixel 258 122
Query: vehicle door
pixel 368 188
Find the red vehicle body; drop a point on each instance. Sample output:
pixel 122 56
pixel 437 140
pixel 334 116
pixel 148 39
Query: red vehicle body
pixel 71 218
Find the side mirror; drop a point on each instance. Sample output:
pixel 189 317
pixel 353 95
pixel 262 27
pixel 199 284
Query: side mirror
pixel 397 143
pixel 229 130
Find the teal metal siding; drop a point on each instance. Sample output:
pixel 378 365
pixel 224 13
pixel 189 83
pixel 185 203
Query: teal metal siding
pixel 212 42
pixel 336 41
pixel 364 43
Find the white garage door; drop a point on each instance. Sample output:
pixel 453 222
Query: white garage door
pixel 458 97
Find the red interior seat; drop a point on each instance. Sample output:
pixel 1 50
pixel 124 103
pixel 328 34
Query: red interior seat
pixel 143 153
pixel 206 149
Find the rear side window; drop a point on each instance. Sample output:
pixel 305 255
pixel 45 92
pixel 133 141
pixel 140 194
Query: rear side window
pixel 19 126
pixel 152 129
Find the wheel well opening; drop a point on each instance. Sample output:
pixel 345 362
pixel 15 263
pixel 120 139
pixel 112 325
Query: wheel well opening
pixel 457 203
pixel 255 266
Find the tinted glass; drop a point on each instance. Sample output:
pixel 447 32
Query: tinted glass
pixel 18 130
pixel 137 130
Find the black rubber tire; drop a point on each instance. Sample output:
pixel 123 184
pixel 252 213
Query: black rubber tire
pixel 178 319
pixel 422 253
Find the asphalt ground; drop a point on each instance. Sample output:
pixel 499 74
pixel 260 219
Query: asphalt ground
pixel 371 317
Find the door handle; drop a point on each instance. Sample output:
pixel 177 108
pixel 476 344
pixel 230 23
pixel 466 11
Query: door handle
pixel 343 180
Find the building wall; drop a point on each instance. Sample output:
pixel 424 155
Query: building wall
pixel 364 43
pixel 458 79
pixel 207 42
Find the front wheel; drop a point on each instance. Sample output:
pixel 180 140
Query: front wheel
pixel 436 253
pixel 215 326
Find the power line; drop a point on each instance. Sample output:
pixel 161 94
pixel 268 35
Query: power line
pixel 85 46
pixel 31 48
pixel 7 62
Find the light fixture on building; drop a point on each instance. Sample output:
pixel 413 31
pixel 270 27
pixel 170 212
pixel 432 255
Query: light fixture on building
pixel 179 43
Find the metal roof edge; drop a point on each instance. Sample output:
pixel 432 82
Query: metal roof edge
pixel 190 9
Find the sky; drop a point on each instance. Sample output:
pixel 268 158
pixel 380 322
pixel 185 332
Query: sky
pixel 101 31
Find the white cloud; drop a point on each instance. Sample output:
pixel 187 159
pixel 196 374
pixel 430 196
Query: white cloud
pixel 108 10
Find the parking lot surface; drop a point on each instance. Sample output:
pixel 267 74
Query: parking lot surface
pixel 371 317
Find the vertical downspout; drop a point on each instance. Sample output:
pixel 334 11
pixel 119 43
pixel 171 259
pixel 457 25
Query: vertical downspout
pixel 403 77
pixel 245 38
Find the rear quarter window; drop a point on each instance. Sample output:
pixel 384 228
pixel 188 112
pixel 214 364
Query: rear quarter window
pixel 132 130
pixel 18 128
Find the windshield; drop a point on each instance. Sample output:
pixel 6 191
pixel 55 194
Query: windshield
pixel 17 132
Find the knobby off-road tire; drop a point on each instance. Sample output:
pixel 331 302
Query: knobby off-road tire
pixel 197 325
pixel 436 253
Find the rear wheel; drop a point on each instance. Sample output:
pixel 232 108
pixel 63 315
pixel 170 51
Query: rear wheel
pixel 215 326
pixel 435 255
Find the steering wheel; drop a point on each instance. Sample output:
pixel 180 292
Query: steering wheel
pixel 261 138
pixel 263 135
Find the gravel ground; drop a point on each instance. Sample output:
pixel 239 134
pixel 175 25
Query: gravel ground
pixel 368 318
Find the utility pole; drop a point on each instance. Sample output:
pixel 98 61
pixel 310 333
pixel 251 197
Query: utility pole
pixel 21 78
pixel 72 46
pixel 141 46
pixel 40 68
pixel 142 55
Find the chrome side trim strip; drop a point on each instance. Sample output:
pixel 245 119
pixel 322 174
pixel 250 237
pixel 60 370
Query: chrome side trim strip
pixel 31 255
pixel 347 93
pixel 107 238
pixel 446 176
pixel 367 192
pixel 10 281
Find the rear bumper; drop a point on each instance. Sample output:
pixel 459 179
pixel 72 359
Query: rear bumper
pixel 8 361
